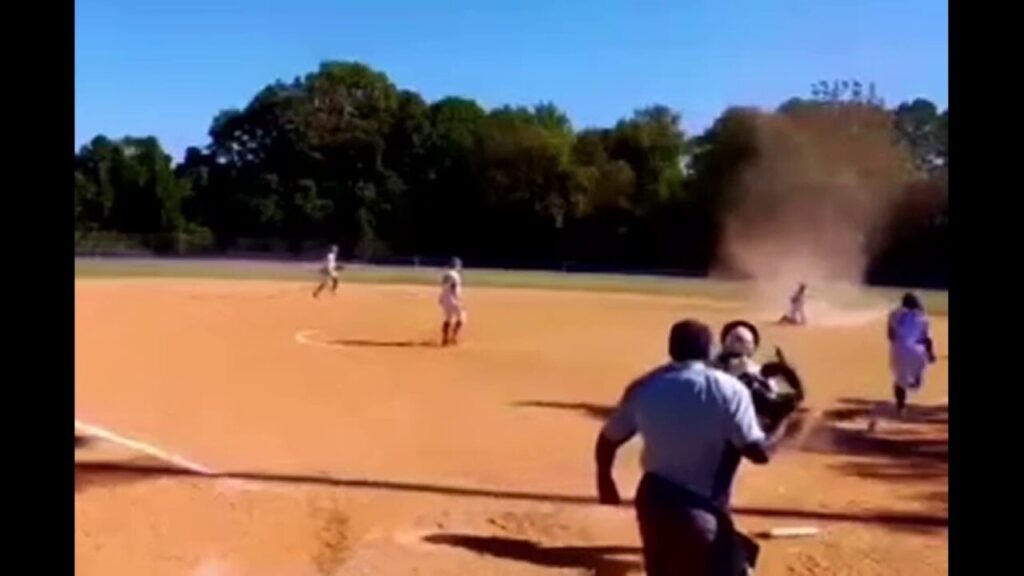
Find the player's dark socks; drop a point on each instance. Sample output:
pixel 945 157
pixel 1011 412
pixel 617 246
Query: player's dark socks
pixel 319 289
pixel 901 399
pixel 445 329
pixel 454 338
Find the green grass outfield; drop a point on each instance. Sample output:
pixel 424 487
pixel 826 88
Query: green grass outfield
pixel 937 302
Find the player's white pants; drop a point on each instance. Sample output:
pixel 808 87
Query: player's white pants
pixel 796 313
pixel 908 363
pixel 453 310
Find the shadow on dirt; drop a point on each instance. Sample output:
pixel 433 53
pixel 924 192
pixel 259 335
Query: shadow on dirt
pixel 365 343
pixel 87 478
pixel 598 560
pixel 796 423
pixel 900 520
pixel 894 519
pixel 794 426
pixel 852 408
pixel 913 449
pixel 91 472
pixel 595 411
pixel 916 442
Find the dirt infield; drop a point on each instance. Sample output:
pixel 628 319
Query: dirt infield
pixel 341 440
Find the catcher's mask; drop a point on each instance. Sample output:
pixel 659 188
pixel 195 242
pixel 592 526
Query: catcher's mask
pixel 740 337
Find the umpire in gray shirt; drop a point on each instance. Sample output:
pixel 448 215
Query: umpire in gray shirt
pixel 687 414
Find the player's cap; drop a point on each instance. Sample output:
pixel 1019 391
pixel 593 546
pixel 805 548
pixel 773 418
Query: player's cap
pixel 747 326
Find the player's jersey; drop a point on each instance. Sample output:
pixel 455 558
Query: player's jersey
pixel 908 327
pixel 331 264
pixel 797 299
pixel 451 286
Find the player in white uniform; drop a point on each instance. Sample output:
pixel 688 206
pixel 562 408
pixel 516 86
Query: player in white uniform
pixel 796 313
pixel 910 348
pixel 451 303
pixel 330 273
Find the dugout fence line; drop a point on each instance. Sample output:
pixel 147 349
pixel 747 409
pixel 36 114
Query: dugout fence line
pixel 198 243
pixel 107 245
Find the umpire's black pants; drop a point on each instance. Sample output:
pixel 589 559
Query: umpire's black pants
pixel 684 534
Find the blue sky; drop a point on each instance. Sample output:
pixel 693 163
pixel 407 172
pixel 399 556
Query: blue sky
pixel 166 67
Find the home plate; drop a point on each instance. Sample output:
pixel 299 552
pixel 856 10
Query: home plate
pixel 791 532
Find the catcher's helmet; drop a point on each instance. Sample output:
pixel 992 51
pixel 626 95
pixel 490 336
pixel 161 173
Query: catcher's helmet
pixel 731 326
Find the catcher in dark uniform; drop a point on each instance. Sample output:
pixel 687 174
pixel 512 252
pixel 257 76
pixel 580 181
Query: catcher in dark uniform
pixel 777 392
pixel 740 341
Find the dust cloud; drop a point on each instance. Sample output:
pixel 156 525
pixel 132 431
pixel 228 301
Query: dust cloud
pixel 823 179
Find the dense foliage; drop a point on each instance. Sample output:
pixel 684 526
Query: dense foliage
pixel 343 155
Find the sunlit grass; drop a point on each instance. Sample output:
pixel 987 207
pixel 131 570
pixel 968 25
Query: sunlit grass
pixel 937 302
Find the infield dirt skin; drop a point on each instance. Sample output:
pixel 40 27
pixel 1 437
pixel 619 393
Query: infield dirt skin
pixel 478 459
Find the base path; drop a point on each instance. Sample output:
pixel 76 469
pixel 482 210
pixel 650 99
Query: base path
pixel 342 440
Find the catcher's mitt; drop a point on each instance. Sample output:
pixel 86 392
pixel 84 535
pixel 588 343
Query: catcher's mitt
pixel 773 406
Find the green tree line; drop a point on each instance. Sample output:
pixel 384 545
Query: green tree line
pixel 343 155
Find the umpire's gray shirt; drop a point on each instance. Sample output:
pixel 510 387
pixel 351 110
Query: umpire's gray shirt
pixel 686 414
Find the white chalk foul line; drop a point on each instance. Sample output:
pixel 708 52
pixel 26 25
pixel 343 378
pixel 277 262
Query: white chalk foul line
pixel 303 337
pixel 103 433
